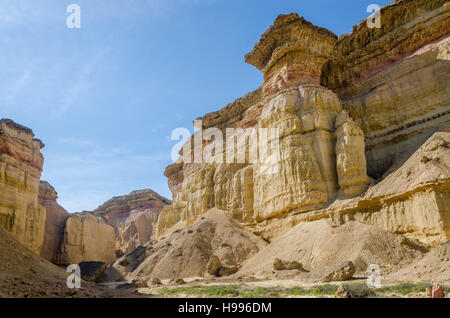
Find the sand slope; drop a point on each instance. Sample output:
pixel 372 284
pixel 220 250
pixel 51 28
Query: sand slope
pixel 433 267
pixel 318 244
pixel 25 274
pixel 186 252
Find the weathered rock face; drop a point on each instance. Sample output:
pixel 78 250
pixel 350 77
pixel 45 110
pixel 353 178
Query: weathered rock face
pixel 133 217
pixel 382 94
pixel 291 52
pixel 87 239
pixel 198 187
pixel 305 176
pixel 301 173
pixel 20 170
pixel 351 159
pixel 54 223
pixel 413 198
pixel 394 81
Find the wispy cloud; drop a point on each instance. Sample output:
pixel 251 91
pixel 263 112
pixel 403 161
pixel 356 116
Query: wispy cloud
pixel 79 84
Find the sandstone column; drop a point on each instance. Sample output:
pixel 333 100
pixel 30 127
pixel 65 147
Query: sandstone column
pixel 351 159
pixel 291 54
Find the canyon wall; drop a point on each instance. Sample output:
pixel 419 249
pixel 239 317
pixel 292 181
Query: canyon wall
pixel 301 175
pixel 86 239
pixel 117 227
pixel 344 109
pixel 20 170
pixel 394 80
pixel 55 221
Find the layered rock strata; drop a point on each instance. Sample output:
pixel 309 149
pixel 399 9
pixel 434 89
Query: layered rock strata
pixel 291 52
pixel 394 80
pixel 413 198
pixel 344 109
pixel 54 223
pixel 296 169
pixel 133 217
pixel 20 170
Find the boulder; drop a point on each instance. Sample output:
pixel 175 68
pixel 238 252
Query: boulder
pixel 92 271
pixel 214 265
pixel 280 265
pixel 338 273
pixel 227 271
pixel 353 291
pixel 180 281
pixel 437 291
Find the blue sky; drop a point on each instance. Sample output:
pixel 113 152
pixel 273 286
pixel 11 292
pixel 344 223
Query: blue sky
pixel 105 98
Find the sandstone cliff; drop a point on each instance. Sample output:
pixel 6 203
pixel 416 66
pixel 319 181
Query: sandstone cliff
pixel 20 170
pixel 394 81
pixel 345 109
pixel 304 176
pixel 133 217
pixel 55 221
pixel 86 239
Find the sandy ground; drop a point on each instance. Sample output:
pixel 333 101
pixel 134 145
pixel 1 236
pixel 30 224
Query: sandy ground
pixel 154 291
pixel 26 275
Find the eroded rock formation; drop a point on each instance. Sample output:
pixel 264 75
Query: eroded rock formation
pixel 20 170
pixel 133 217
pixel 344 109
pixel 87 239
pixel 301 173
pixel 54 223
pixel 394 81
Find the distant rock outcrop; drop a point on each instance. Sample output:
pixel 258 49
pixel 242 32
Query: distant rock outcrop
pixel 54 222
pixel 133 217
pixel 20 170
